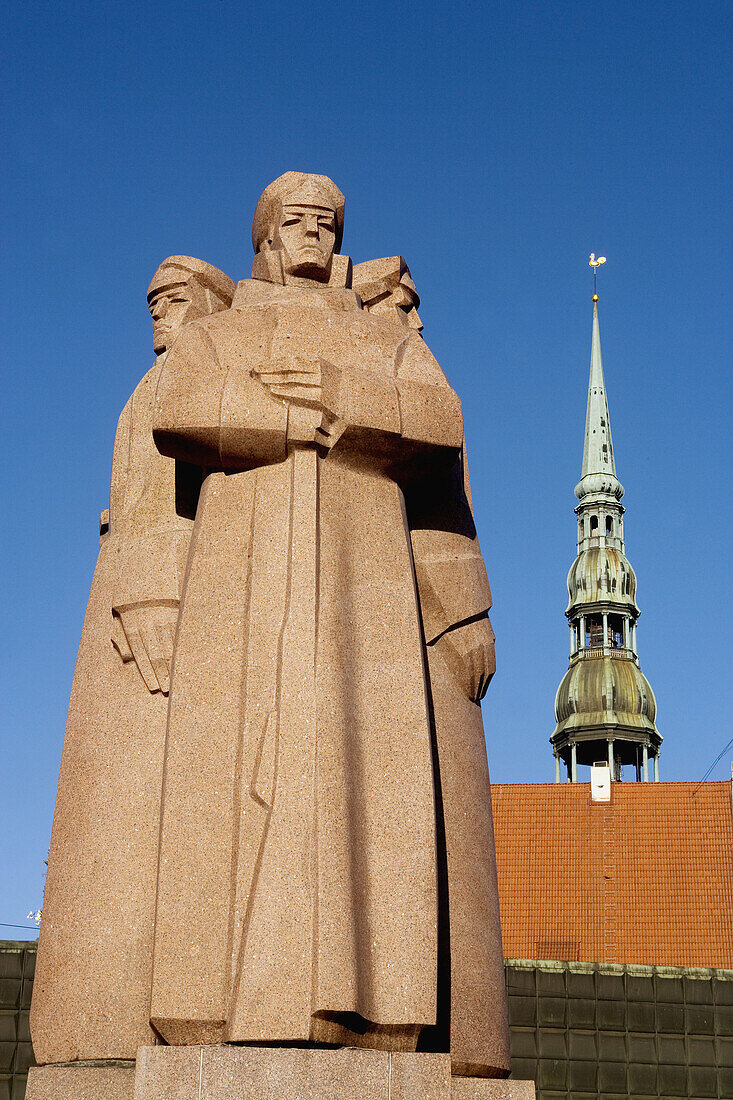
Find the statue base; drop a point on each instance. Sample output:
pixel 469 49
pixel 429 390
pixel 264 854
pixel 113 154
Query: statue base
pixel 269 1073
pixel 82 1081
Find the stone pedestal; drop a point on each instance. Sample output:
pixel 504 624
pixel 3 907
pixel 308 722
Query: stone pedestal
pixel 269 1073
pixel 478 1088
pixel 80 1082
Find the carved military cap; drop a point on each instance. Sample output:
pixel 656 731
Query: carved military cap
pixel 296 189
pixel 179 269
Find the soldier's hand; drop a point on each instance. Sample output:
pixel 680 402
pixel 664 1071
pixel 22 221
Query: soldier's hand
pixel 334 399
pixel 468 651
pixel 146 634
pixel 296 380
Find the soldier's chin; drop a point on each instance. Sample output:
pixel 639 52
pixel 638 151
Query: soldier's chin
pixel 161 340
pixel 312 265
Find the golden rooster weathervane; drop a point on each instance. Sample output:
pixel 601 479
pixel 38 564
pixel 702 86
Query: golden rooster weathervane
pixel 595 264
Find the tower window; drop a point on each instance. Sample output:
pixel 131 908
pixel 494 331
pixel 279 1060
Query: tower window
pixel 594 633
pixel 615 632
pixel 609 525
pixel 593 525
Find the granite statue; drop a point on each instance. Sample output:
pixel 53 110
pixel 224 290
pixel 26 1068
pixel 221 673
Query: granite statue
pixel 96 939
pixel 274 792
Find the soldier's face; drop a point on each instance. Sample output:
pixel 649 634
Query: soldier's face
pixel 405 298
pixel 172 307
pixel 306 237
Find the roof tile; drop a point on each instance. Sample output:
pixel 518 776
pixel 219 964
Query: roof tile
pixel 646 878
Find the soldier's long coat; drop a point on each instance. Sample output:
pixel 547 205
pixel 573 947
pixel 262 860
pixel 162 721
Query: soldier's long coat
pixel 91 993
pixel 326 861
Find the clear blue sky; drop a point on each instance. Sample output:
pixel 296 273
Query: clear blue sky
pixel 494 145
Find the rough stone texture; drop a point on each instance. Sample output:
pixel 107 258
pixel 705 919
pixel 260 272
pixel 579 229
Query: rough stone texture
pixel 385 286
pixel 326 665
pixel 475 1088
pixel 277 1073
pixel 81 1083
pixel 419 1077
pixel 168 1073
pixel 92 987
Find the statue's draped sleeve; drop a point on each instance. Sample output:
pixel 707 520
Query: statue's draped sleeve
pixel 410 415
pixel 449 569
pixel 148 538
pixel 219 418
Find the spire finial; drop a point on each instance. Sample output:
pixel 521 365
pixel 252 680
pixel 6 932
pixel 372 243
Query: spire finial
pixel 595 264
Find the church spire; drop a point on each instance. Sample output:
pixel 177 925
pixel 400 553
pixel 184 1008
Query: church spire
pixel 605 708
pixel 598 448
pixel 599 466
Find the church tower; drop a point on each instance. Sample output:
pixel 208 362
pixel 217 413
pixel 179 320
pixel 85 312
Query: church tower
pixel 605 708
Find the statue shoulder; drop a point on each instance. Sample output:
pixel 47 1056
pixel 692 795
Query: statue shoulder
pixel 150 379
pixel 199 338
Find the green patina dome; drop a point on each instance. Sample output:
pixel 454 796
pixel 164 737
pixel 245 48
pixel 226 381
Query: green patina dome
pixel 605 692
pixel 602 574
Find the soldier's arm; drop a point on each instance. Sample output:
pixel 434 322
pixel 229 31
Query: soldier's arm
pixel 147 545
pixel 451 577
pixel 412 415
pixel 213 416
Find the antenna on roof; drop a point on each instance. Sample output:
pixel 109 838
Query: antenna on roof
pixel 715 761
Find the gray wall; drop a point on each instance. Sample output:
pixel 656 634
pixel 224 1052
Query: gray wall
pixel 582 1031
pixel 17 963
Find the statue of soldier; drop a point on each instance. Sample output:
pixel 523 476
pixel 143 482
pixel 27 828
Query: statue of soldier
pixel 385 287
pixel 332 648
pixel 92 986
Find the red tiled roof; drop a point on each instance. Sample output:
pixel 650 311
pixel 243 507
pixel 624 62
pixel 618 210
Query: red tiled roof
pixel 646 878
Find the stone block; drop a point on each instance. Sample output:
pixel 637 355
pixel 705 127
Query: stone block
pixel 478 1088
pixel 551 1011
pixel 292 1073
pixel 419 1077
pixel 168 1073
pixel 524 1043
pixel 287 1073
pixel 81 1082
pixel 612 1077
pixel 551 983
